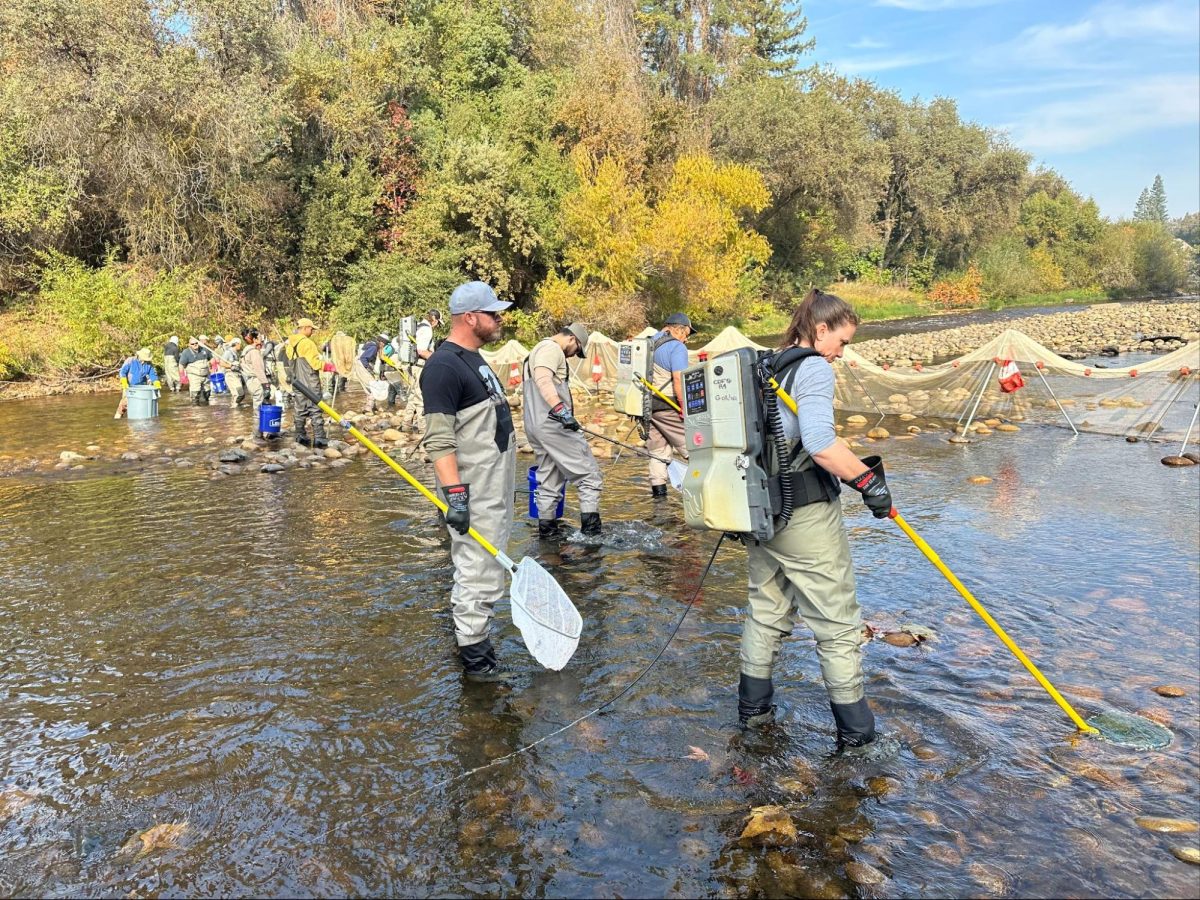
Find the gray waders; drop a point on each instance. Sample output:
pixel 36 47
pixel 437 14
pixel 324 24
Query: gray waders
pixel 479 581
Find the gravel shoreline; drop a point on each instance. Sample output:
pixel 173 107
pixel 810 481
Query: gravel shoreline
pixel 1102 328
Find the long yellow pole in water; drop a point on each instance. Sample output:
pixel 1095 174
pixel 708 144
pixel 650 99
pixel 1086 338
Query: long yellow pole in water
pixel 975 604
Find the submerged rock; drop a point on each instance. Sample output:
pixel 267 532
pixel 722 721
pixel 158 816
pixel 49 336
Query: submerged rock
pixel 1170 690
pixel 233 456
pixel 879 433
pixel 979 479
pixel 1165 825
pixel 864 873
pixel 70 456
pixel 1008 427
pixel 1177 461
pixel 1187 855
pixel 272 468
pixel 129 456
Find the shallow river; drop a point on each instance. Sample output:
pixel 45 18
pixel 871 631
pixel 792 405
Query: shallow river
pixel 268 659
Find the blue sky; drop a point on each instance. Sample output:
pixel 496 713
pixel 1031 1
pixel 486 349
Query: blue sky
pixel 1106 93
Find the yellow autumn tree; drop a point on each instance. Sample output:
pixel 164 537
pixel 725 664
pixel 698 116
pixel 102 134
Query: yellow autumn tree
pixel 701 253
pixel 604 222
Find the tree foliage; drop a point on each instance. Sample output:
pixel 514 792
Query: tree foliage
pixel 594 159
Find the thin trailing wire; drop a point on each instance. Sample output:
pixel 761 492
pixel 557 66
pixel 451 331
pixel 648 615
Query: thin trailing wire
pixel 603 706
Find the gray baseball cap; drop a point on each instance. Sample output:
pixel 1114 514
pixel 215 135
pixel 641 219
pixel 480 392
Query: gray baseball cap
pixel 679 319
pixel 475 296
pixel 580 334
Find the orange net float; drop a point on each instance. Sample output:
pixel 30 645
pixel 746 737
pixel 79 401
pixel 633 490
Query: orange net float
pixel 1040 364
pixel 886 366
pixel 917 367
pixel 1087 371
pixel 954 364
pixel 1185 371
pixel 1133 373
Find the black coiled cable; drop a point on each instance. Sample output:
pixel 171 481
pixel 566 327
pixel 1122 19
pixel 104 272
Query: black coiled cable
pixel 775 429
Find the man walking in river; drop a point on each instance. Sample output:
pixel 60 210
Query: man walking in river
pixel 469 436
pixel 194 361
pixel 560 449
pixel 304 364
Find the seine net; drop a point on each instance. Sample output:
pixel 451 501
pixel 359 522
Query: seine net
pixel 1154 400
pixel 545 615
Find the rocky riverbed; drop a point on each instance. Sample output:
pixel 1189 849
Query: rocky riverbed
pixel 1106 328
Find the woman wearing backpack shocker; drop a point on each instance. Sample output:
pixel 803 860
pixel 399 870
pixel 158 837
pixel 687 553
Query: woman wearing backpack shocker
pixel 806 566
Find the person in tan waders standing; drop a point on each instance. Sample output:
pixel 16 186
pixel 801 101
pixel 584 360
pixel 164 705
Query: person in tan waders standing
pixel 470 438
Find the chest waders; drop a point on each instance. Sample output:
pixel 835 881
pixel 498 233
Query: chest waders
pixel 486 453
pixel 562 456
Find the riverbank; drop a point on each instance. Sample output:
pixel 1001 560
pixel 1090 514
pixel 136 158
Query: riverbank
pixel 1109 328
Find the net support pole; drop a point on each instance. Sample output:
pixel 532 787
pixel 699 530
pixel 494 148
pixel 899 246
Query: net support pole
pixel 1188 436
pixel 979 399
pixel 1056 403
pixel 865 391
pixel 959 420
pixel 625 439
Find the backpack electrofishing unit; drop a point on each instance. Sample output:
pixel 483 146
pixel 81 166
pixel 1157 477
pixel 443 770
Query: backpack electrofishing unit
pixel 408 344
pixel 744 475
pixel 635 363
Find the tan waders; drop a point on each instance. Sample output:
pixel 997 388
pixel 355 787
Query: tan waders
pixel 197 373
pixel 665 434
pixel 479 581
pixel 171 373
pixel 806 568
pixel 561 455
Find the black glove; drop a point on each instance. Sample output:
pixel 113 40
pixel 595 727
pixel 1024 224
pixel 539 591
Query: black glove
pixel 873 487
pixel 563 417
pixel 458 507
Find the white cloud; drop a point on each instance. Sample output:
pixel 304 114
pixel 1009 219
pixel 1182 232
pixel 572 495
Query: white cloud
pixel 935 5
pixel 868 44
pixel 1162 101
pixel 1078 44
pixel 870 64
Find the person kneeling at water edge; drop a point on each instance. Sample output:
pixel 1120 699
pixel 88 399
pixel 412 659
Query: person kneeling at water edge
pixel 560 450
pixel 806 566
pixel 470 438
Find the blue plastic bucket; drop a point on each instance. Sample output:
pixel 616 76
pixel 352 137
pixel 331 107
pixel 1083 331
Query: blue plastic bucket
pixel 533 486
pixel 141 402
pixel 270 418
pixel 217 382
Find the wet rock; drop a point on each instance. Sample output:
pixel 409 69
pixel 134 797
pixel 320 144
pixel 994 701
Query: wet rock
pixel 982 430
pixel 393 435
pixel 160 837
pixel 879 433
pixel 1170 690
pixel 979 479
pixel 959 439
pixel 864 873
pixel 1187 855
pixel 70 456
pixel 93 448
pixel 900 639
pixel 229 469
pixel 856 420
pixel 272 468
pixel 233 455
pixel 331 453
pixel 1165 825
pixel 184 463
pixel 991 423
pixel 769 825
pixel 906 417
pixel 1008 427
pixel 913 429
pixel 1193 456
pixel 338 463
pixel 1177 461
pixel 130 456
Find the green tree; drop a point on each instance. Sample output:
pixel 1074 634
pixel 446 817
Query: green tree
pixel 1152 203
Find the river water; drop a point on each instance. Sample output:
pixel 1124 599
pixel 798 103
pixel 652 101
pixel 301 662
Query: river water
pixel 268 661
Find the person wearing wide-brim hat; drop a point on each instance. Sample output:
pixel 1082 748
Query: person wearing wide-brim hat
pixel 136 370
pixel 559 447
pixel 665 427
pixel 470 438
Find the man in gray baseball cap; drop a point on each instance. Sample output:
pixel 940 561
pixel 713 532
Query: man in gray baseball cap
pixel 470 438
pixel 559 447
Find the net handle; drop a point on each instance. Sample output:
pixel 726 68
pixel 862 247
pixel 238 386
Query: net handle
pixel 429 495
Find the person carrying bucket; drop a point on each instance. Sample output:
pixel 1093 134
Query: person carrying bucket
pixel 304 364
pixel 470 438
pixel 194 362
pixel 806 566
pixel 366 365
pixel 137 370
pixel 560 449
pixel 665 427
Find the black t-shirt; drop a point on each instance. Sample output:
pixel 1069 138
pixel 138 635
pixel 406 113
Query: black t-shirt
pixel 455 378
pixel 171 349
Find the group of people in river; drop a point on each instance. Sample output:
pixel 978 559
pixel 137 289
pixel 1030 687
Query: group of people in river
pixel 470 440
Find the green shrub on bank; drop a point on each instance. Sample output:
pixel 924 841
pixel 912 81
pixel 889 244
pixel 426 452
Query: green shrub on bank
pixel 389 286
pixel 88 319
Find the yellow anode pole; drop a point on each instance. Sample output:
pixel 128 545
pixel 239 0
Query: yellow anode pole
pixel 662 396
pixel 975 604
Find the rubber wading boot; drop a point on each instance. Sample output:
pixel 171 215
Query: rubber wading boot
pixel 589 523
pixel 548 529
pixel 755 709
pixel 480 663
pixel 658 491
pixel 855 724
pixel 303 439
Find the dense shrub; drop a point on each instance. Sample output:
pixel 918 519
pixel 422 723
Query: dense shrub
pixel 958 291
